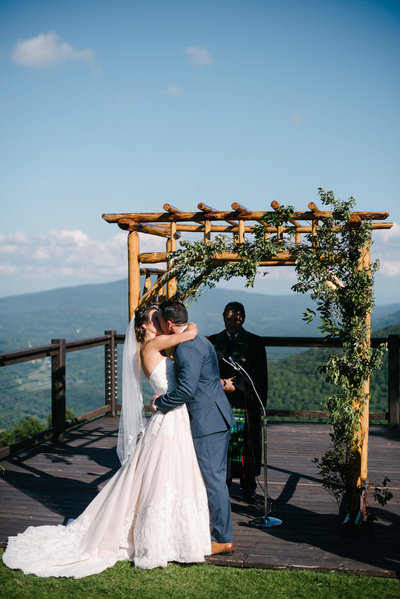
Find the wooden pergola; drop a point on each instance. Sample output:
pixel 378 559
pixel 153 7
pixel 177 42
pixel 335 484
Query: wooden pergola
pixel 172 223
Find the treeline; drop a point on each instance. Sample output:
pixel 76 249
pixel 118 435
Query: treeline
pixel 27 427
pixel 294 383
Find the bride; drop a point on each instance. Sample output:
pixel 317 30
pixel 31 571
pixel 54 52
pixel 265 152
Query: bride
pixel 154 509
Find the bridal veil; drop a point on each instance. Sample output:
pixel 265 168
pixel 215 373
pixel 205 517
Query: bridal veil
pixel 132 416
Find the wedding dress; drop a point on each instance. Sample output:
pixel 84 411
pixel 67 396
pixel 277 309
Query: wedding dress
pixel 152 511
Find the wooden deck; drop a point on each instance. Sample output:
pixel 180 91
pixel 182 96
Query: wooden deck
pixel 52 483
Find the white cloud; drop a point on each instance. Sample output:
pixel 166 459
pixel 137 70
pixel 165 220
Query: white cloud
pixel 8 248
pixel 172 90
pixel 18 237
pixel 67 257
pixel 47 50
pixel 386 248
pixel 70 257
pixel 7 269
pixel 384 237
pixel 390 268
pixel 198 56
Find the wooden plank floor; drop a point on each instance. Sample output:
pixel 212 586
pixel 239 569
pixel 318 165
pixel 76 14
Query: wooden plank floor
pixel 52 483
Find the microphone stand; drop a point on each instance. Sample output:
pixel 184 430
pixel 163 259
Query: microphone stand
pixel 264 521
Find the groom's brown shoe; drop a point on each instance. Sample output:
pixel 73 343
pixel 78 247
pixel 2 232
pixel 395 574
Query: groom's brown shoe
pixel 225 548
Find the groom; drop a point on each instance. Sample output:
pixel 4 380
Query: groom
pixel 198 386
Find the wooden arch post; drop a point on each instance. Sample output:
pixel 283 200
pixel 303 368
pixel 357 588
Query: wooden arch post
pixel 172 284
pixel 365 263
pixel 358 471
pixel 133 272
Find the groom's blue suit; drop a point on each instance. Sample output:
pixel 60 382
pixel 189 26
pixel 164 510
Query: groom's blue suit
pixel 198 386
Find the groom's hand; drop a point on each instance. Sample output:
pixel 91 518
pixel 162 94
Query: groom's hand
pixel 152 406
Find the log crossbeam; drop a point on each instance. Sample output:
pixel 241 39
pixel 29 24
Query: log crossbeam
pixel 233 228
pixel 180 216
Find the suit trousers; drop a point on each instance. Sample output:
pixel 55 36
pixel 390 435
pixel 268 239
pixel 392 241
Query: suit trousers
pixel 211 451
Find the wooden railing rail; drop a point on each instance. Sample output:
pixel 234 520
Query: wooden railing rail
pixel 58 349
pixel 393 343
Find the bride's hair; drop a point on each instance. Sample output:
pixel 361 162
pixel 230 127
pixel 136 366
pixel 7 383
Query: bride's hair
pixel 141 318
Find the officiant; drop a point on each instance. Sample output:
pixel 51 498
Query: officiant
pixel 248 350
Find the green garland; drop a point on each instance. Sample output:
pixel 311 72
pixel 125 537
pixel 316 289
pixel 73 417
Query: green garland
pixel 343 295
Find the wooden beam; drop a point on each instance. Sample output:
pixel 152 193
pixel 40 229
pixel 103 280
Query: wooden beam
pixel 171 209
pixel 159 217
pixel 154 257
pixel 240 209
pixel 207 231
pixel 241 231
pixel 314 209
pixel 233 228
pixel 355 220
pixel 261 263
pixel 281 258
pixel 210 211
pixel 205 208
pixel 148 283
pixel 151 294
pixel 152 271
pixel 151 229
pixel 381 225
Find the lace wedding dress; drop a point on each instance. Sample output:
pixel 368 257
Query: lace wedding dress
pixel 154 509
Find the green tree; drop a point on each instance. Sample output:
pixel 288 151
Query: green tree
pixel 25 427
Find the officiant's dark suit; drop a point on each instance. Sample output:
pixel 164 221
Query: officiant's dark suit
pixel 248 350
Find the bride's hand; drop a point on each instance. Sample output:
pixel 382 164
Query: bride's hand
pixel 191 331
pixel 152 406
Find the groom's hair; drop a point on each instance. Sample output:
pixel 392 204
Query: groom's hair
pixel 174 311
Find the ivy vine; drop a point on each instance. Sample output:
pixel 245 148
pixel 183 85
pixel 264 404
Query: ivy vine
pixel 342 290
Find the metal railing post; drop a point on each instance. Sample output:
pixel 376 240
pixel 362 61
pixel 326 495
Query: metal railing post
pixel 110 353
pixel 393 381
pixel 58 396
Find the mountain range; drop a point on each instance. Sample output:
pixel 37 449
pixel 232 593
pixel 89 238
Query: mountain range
pixel 88 310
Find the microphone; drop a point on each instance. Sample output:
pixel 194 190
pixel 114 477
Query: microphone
pixel 232 363
pixel 239 368
pixel 227 360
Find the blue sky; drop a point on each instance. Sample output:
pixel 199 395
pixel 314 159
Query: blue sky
pixel 121 106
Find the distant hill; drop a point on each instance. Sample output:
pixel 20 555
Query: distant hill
pixel 384 316
pixel 70 312
pixel 88 310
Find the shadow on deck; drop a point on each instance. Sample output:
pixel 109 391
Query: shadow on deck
pixel 51 483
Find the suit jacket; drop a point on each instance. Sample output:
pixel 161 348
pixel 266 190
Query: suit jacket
pixel 249 352
pixel 254 363
pixel 198 385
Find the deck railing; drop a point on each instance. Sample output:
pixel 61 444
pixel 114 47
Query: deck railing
pixel 58 349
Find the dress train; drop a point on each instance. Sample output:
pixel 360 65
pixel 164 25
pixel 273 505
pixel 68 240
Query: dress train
pixel 152 511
